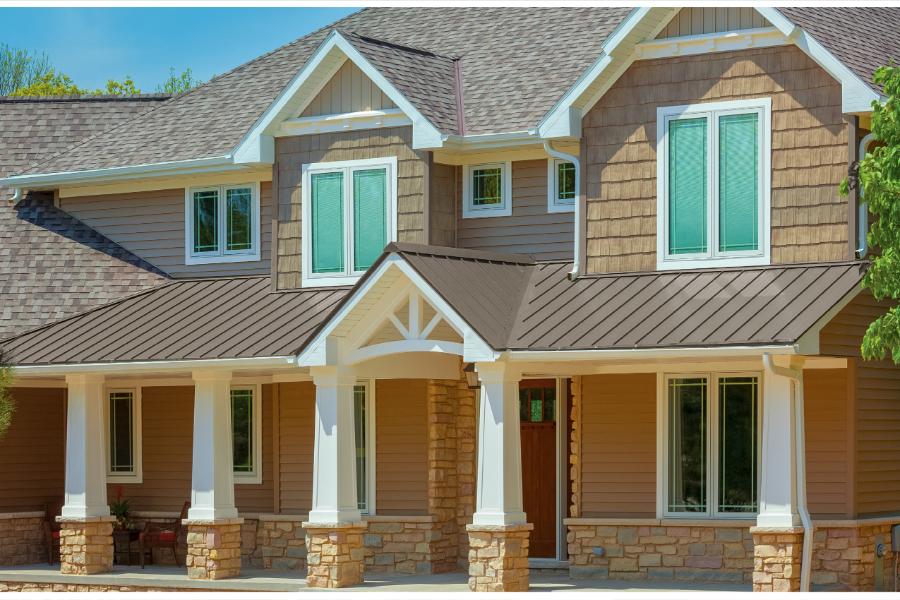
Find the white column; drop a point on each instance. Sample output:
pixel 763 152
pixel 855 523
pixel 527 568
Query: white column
pixel 334 463
pixel 85 449
pixel 778 487
pixel 212 474
pixel 499 491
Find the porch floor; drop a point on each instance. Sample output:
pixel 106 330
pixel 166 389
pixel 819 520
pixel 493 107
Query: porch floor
pixel 258 580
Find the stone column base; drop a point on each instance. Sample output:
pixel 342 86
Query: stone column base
pixel 498 557
pixel 85 545
pixel 213 548
pixel 776 558
pixel 334 554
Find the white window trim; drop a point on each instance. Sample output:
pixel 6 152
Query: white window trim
pixel 307 277
pixel 255 476
pixel 711 259
pixel 471 211
pixel 137 475
pixel 712 441
pixel 370 446
pixel 554 203
pixel 221 255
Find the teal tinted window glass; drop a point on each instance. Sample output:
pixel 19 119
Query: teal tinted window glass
pixel 238 219
pixel 206 219
pixel 121 429
pixel 738 449
pixel 739 182
pixel 687 445
pixel 327 208
pixel 359 419
pixel 369 216
pixel 687 186
pixel 242 430
pixel 486 186
pixel 565 178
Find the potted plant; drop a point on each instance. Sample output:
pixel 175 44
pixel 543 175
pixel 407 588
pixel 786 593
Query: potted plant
pixel 122 533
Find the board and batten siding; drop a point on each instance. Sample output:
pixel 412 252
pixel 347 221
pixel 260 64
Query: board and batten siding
pixel 32 454
pixel 151 225
pixel 349 90
pixel 291 153
pixel 876 408
pixel 809 152
pixel 296 420
pixel 401 447
pixel 700 20
pixel 530 229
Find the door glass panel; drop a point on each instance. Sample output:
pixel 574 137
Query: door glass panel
pixel 359 419
pixel 738 447
pixel 687 186
pixel 687 445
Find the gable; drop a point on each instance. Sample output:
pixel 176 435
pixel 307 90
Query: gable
pixel 704 20
pixel 348 91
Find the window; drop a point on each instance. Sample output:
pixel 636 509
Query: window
pixel 123 412
pixel 222 224
pixel 712 445
pixel 537 401
pixel 713 184
pixel 487 190
pixel 562 186
pixel 349 216
pixel 246 434
pixel 364 423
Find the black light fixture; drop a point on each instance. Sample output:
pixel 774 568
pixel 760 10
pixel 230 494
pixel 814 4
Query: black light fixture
pixel 471 376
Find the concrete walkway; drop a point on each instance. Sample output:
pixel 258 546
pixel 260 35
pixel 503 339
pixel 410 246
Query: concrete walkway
pixel 256 580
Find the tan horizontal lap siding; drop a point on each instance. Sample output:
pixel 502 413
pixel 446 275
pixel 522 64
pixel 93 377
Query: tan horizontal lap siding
pixel 809 152
pixel 530 229
pixel 877 408
pixel 828 442
pixel 151 225
pixel 259 497
pixel 32 454
pixel 296 422
pixel 401 447
pixel 618 445
pixel 291 153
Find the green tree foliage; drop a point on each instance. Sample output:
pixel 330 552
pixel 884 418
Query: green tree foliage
pixel 879 174
pixel 7 404
pixel 20 68
pixel 50 83
pixel 125 87
pixel 178 84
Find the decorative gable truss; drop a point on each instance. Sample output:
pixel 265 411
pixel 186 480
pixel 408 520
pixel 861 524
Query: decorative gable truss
pixel 394 312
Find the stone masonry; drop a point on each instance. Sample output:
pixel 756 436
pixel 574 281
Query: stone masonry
pixel 776 563
pixel 575 448
pixel 649 549
pixel 844 556
pixel 498 558
pixel 213 548
pixel 464 400
pixel 22 539
pixel 335 554
pixel 276 542
pixel 443 533
pixel 85 545
pixel 401 544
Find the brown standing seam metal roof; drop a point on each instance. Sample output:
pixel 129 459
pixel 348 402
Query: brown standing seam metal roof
pixel 512 302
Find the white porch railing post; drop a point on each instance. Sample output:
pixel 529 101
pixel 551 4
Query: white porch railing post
pixel 85 493
pixel 212 475
pixel 778 486
pixel 499 486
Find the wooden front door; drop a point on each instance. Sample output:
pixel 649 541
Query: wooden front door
pixel 537 416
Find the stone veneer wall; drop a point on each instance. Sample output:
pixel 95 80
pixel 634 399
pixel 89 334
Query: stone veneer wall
pixel 844 555
pixel 657 550
pixel 575 448
pixel 276 542
pixel 402 544
pixel 464 403
pixel 22 539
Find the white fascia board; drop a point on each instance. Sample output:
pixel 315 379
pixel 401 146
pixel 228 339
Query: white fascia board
pixel 251 147
pixel 152 366
pixel 181 167
pixel 648 353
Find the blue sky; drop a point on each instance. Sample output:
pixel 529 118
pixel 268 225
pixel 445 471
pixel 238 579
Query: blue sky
pixel 92 45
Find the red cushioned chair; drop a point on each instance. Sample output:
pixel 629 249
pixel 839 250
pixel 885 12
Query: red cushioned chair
pixel 162 535
pixel 51 530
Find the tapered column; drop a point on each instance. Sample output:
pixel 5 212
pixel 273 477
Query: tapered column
pixel 213 526
pixel 335 528
pixel 498 535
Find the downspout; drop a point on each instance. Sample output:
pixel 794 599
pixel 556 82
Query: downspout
pixel 862 219
pixel 576 160
pixel 800 470
pixel 18 194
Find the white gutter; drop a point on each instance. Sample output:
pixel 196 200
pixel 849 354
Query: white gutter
pixel 643 353
pixel 800 470
pixel 154 366
pixel 576 160
pixel 18 194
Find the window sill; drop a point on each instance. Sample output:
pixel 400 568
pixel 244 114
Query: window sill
pixel 561 208
pixel 120 478
pixel 227 258
pixel 247 479
pixel 339 281
pixel 682 264
pixel 487 213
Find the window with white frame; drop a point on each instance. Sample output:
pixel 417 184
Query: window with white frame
pixel 246 434
pixel 123 412
pixel 364 425
pixel 562 186
pixel 349 216
pixel 712 445
pixel 713 180
pixel 222 224
pixel 487 190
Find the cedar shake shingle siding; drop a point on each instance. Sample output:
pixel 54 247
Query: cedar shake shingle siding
pixel 809 153
pixel 291 153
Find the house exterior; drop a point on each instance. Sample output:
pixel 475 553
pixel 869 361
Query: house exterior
pixel 426 291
